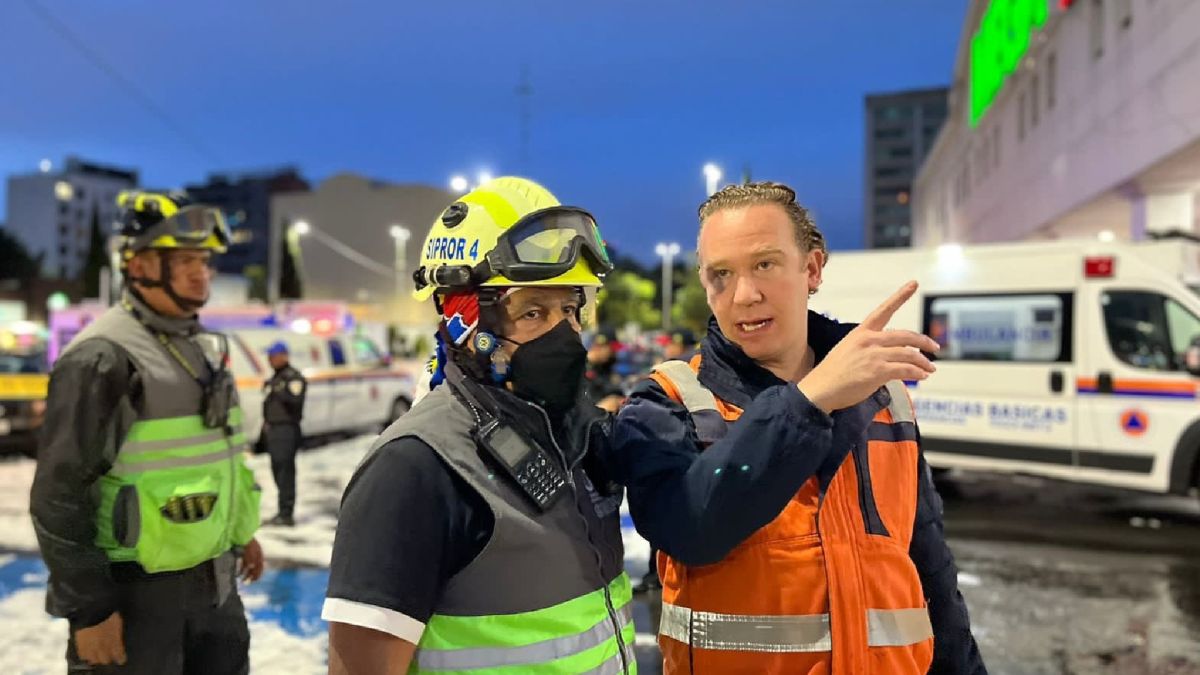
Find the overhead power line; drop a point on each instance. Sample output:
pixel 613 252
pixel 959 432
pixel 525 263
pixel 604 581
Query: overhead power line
pixel 128 85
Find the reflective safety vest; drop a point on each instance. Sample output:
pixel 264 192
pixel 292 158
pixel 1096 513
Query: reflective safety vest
pixel 178 493
pixel 548 594
pixel 826 587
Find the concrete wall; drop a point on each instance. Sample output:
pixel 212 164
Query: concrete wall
pixel 1103 128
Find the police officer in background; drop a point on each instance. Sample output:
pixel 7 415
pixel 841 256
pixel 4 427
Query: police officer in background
pixel 141 501
pixel 283 407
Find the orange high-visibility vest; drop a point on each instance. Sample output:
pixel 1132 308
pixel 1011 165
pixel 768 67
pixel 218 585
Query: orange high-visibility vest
pixel 826 587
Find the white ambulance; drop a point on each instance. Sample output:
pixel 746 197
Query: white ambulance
pixel 352 386
pixel 1067 359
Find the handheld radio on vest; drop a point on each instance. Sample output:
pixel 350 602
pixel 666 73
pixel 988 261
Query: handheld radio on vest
pixel 533 469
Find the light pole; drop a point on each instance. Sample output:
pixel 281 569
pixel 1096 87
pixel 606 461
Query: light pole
pixel 667 251
pixel 400 236
pixel 712 177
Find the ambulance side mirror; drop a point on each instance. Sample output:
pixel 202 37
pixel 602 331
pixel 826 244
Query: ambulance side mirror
pixel 1191 357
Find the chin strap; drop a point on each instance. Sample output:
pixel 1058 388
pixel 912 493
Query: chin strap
pixel 185 305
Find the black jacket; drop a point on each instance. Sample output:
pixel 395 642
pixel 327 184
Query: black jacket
pixel 284 402
pixel 684 505
pixel 94 398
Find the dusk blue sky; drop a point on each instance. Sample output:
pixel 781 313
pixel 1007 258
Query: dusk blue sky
pixel 629 99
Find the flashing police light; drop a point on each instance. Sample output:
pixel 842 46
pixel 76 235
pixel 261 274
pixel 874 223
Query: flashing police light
pixel 1099 267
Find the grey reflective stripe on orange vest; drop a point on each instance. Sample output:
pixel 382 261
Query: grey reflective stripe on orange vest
pixel 798 633
pixel 695 396
pixel 124 468
pixel 526 655
pixel 898 627
pixel 701 404
pixel 900 407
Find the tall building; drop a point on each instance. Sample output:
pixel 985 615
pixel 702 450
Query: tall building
pixel 1068 119
pixel 245 198
pixel 901 128
pixel 360 242
pixel 51 212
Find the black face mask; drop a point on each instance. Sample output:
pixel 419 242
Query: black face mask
pixel 549 370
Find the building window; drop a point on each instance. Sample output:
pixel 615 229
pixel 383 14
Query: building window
pixel 1034 96
pixel 889 134
pixel 63 208
pixel 1051 79
pixel 1097 28
pixel 1124 9
pixel 1021 102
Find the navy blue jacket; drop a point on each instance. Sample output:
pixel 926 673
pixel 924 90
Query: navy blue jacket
pixel 684 506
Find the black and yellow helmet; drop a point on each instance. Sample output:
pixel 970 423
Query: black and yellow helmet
pixel 160 220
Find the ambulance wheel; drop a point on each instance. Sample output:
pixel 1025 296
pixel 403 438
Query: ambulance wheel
pixel 400 406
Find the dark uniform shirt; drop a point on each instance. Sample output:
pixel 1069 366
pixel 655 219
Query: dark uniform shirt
pixel 408 523
pixel 284 403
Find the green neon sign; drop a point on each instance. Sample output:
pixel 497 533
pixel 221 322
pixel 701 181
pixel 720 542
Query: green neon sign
pixel 998 47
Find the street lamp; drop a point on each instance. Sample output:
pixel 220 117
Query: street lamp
pixel 458 184
pixel 667 251
pixel 400 236
pixel 301 227
pixel 712 176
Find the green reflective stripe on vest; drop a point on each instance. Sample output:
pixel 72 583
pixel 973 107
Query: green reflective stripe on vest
pixel 139 447
pixel 220 451
pixel 572 637
pixel 175 427
pixel 540 652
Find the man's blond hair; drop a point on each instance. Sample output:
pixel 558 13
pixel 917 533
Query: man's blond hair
pixel 808 237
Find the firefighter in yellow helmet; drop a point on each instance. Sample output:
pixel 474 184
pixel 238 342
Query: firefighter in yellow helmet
pixel 515 560
pixel 141 502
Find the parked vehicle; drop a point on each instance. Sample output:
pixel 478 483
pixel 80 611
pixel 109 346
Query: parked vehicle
pixel 1066 359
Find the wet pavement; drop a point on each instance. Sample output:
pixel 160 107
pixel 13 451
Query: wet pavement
pixel 1068 579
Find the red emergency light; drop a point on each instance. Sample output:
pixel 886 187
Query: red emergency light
pixel 1099 267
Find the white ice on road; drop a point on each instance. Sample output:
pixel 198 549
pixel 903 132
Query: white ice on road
pixel 34 643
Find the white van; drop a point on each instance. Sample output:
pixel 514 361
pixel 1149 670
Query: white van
pixel 1064 359
pixel 351 384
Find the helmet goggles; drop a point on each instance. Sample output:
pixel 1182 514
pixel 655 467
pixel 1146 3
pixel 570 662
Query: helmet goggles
pixel 539 247
pixel 193 226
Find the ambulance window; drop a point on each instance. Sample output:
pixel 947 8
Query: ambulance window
pixel 1148 330
pixel 337 355
pixel 366 353
pixel 1019 328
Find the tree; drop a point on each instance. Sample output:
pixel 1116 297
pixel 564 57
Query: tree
pixel 257 276
pixel 689 308
pixel 97 258
pixel 627 297
pixel 15 260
